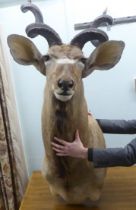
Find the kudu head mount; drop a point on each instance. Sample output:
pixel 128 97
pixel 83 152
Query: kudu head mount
pixel 65 64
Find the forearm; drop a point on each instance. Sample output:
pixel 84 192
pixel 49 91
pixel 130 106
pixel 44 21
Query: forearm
pixel 117 126
pixel 111 157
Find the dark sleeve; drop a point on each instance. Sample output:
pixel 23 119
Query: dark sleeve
pixel 111 157
pixel 117 126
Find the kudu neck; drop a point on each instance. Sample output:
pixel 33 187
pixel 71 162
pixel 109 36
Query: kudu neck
pixel 66 117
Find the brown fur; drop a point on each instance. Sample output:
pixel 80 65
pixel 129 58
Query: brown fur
pixel 73 179
pixel 76 179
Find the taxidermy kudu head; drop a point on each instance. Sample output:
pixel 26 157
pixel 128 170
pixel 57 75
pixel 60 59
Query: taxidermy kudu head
pixel 64 66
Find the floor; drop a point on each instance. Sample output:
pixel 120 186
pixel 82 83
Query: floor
pixel 119 193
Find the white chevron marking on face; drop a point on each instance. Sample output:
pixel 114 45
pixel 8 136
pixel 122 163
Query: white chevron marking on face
pixel 66 61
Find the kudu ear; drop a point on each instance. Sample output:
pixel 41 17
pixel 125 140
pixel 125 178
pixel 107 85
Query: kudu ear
pixel 25 52
pixel 104 57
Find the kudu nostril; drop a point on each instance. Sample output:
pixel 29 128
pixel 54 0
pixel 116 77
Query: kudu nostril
pixel 70 83
pixel 65 84
pixel 60 83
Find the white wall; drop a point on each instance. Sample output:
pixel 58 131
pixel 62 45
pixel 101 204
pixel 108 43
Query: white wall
pixel 109 94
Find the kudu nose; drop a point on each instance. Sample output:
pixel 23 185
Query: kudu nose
pixel 65 84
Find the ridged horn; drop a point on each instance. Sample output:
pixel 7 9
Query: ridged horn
pixel 34 9
pixel 101 21
pixel 44 30
pixel 91 34
pixel 39 28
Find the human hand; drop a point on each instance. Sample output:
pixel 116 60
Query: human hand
pixel 72 149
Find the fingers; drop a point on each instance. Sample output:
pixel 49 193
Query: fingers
pixel 60 141
pixel 59 149
pixel 57 146
pixel 64 148
pixel 60 152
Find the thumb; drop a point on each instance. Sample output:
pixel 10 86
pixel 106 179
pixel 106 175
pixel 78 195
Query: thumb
pixel 77 137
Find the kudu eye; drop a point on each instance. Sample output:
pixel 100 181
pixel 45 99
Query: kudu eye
pixel 83 60
pixel 46 58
